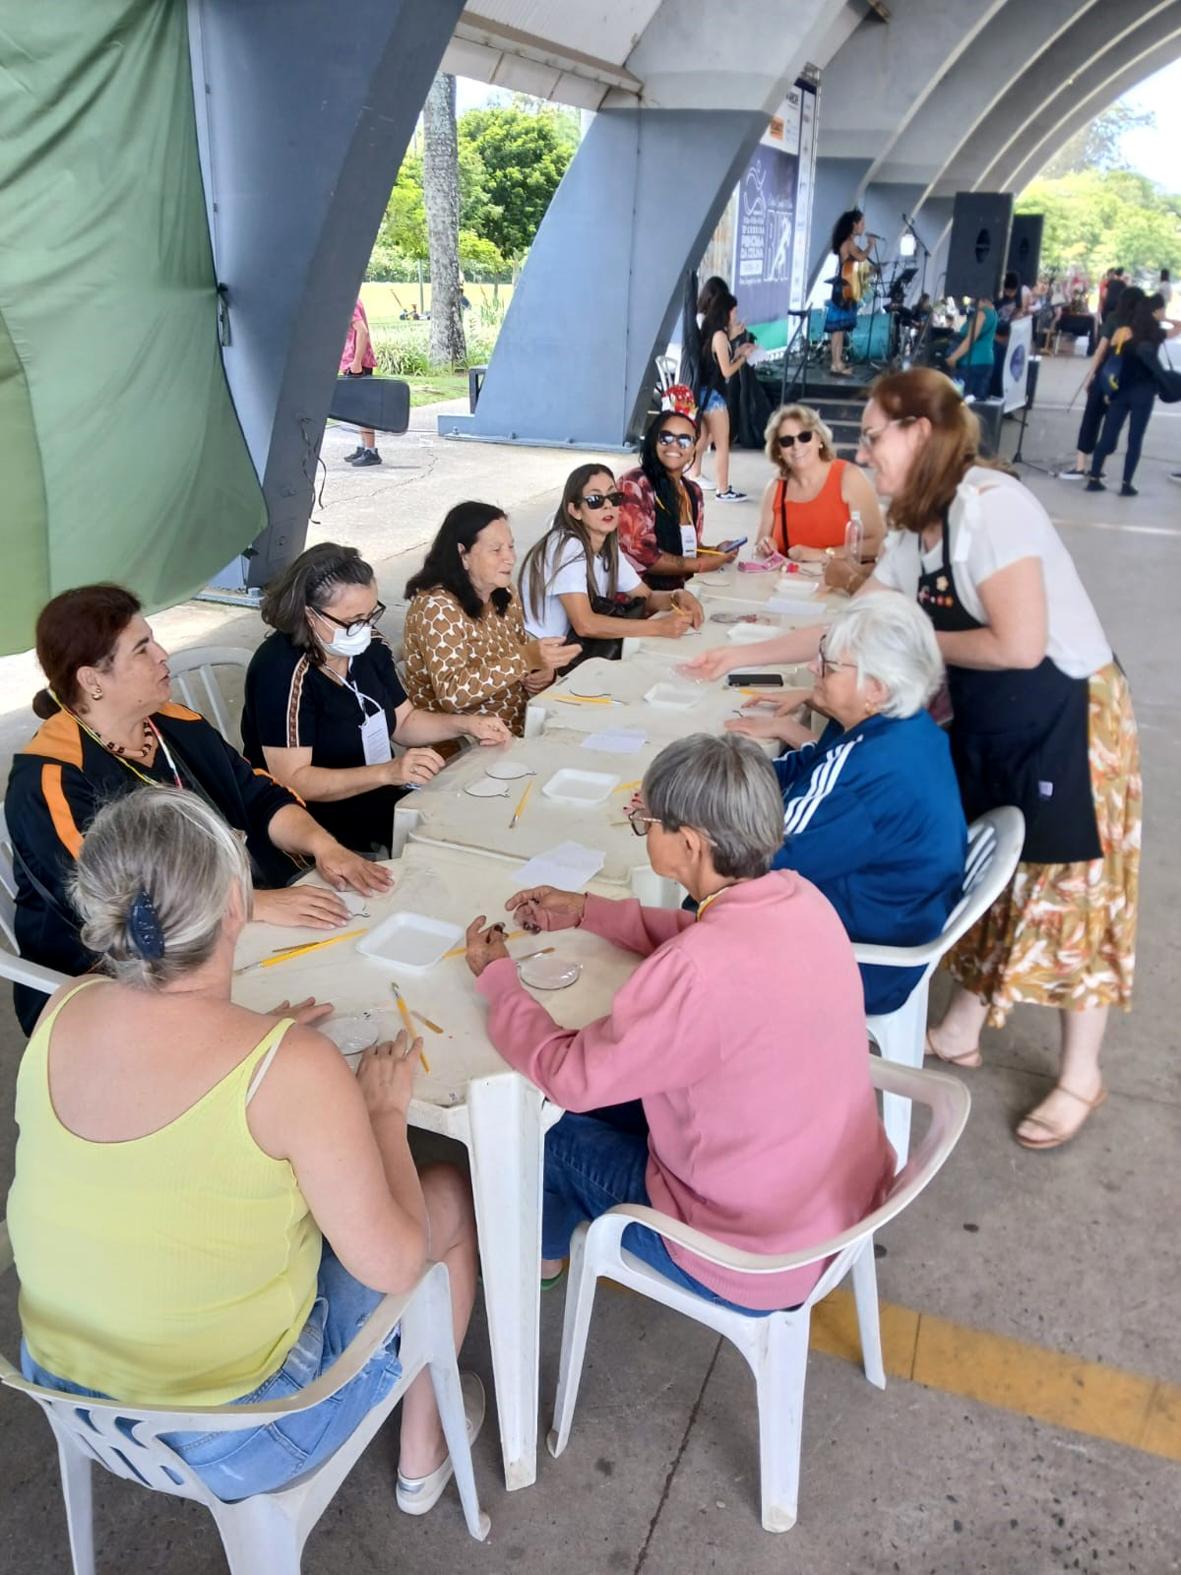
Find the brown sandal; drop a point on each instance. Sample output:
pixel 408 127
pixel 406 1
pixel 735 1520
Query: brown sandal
pixel 1058 1135
pixel 969 1060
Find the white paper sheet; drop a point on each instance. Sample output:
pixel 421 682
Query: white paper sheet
pixel 616 741
pixel 569 866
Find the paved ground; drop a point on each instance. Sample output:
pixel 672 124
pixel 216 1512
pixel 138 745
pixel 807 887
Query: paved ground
pixel 1069 1254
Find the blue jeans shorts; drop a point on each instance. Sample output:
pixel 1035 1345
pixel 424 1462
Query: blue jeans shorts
pixel 593 1162
pixel 711 400
pixel 263 1459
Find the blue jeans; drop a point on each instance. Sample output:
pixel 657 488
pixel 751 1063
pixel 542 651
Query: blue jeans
pixel 593 1162
pixel 711 400
pixel 263 1459
pixel 976 379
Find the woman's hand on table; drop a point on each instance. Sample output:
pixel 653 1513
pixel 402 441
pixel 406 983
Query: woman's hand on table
pixel 485 944
pixel 711 664
pixel 301 907
pixel 842 574
pixel 686 602
pixel 307 1012
pixel 710 559
pixel 669 625
pixel 385 1075
pixel 540 678
pixel 782 728
pixel 417 766
pixel 807 554
pixel 786 704
pixel 547 908
pixel 487 730
pixel 764 547
pixel 341 867
pixel 556 652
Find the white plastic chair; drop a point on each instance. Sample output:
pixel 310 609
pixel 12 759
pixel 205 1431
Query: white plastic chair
pixel 775 1347
pixel 265 1533
pixel 195 682
pixel 12 965
pixel 994 847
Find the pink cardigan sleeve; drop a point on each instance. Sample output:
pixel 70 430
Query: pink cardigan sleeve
pixel 641 930
pixel 660 1034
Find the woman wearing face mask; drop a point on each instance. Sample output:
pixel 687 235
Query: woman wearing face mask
pixel 808 504
pixel 575 582
pixel 467 650
pixel 662 517
pixel 323 701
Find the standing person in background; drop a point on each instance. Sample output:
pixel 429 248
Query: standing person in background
pixel 976 348
pixel 840 316
pixel 1133 396
pixel 357 360
pixel 1009 309
pixel 1165 288
pixel 1115 323
pixel 718 363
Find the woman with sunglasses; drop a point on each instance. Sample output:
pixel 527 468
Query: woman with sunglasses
pixel 575 584
pixel 741 1033
pixel 323 701
pixel 808 504
pixel 662 517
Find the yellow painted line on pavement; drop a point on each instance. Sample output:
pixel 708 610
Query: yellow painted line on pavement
pixel 1065 1391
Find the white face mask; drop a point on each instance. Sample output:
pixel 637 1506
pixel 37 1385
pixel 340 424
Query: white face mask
pixel 344 643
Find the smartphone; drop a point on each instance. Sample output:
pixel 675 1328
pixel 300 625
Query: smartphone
pixel 732 546
pixel 755 680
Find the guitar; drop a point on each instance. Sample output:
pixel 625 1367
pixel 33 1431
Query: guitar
pixel 854 281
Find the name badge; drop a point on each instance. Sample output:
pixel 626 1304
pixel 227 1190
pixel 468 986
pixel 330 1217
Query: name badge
pixel 688 542
pixel 375 739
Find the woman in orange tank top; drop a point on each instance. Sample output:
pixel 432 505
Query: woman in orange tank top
pixel 807 505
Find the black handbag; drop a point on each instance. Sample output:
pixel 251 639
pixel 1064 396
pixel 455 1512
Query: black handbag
pixel 607 607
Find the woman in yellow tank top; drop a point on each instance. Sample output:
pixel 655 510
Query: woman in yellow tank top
pixel 179 1157
pixel 808 503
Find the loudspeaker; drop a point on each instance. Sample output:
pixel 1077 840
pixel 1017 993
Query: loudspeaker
pixel 1025 247
pixel 979 243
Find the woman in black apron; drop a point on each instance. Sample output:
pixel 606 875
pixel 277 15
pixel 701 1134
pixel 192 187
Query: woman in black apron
pixel 1024 731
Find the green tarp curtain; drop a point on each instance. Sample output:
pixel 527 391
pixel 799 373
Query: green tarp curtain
pixel 120 453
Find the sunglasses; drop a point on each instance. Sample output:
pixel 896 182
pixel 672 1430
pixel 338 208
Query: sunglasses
pixel 599 500
pixel 680 440
pixel 357 624
pixel 790 439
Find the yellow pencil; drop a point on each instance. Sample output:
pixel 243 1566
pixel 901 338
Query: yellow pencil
pixel 312 946
pixel 583 699
pixel 404 1014
pixel 434 1027
pixel 712 552
pixel 521 802
pixel 461 951
pixel 624 786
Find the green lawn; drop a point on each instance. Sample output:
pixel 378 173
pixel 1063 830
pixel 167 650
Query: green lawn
pixel 437 385
pixel 385 302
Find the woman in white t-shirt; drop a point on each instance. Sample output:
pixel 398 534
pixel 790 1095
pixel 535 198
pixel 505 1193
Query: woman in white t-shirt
pixel 575 581
pixel 1042 719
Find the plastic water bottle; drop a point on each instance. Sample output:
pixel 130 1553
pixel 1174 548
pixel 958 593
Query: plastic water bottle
pixel 854 535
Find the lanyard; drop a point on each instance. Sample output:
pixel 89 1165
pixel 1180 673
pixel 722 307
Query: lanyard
pixel 705 901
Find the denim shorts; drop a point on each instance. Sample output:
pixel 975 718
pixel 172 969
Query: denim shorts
pixel 595 1161
pixel 711 400
pixel 263 1459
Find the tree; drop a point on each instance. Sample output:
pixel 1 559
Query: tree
pixel 1098 146
pixel 1105 218
pixel 440 185
pixel 524 154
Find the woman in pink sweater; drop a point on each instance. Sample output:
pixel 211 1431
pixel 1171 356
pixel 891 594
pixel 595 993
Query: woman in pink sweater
pixel 742 1032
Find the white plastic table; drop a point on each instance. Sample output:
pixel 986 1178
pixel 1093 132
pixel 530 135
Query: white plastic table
pixel 444 812
pixel 470 1094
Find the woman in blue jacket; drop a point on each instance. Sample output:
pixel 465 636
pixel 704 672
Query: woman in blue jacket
pixel 872 810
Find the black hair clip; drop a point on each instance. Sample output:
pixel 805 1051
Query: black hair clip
pixel 147 933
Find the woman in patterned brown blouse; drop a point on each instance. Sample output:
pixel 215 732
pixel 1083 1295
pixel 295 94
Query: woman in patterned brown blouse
pixel 466 647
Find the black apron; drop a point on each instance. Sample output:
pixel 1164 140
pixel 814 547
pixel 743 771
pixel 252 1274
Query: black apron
pixel 1018 736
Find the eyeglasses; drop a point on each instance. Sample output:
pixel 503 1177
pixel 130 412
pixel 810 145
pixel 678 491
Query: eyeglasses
pixel 871 438
pixel 827 665
pixel 598 500
pixel 357 624
pixel 680 440
pixel 790 439
pixel 639 822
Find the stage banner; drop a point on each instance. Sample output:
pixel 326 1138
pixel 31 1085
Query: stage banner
pixel 1016 374
pixel 766 222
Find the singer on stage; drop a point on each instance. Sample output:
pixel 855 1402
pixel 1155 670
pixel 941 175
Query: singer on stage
pixel 847 285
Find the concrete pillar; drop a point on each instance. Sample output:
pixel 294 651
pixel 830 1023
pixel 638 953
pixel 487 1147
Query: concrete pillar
pixel 303 116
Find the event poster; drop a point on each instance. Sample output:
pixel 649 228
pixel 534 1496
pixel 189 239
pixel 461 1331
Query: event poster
pixel 1016 375
pixel 766 224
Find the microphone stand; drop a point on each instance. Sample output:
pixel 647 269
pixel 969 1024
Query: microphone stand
pixel 876 266
pixel 909 229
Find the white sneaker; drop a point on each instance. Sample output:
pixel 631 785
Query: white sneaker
pixel 418 1495
pixel 730 496
pixel 1072 475
pixel 705 483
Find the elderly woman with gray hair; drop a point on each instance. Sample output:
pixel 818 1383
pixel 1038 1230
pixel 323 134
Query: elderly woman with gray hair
pixel 741 1032
pixel 181 1161
pixel 872 811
